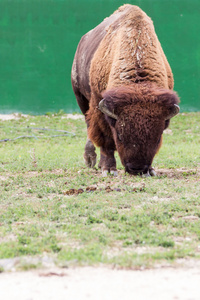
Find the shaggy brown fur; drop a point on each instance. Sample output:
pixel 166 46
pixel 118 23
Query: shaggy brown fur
pixel 130 52
pixel 122 61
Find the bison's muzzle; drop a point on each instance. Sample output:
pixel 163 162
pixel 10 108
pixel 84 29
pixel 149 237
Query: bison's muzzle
pixel 131 169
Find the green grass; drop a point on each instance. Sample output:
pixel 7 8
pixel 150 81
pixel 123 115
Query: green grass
pixel 125 221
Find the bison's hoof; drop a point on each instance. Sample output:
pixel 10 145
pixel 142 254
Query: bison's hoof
pixel 105 173
pixel 90 160
pixel 90 155
pixel 152 172
pixel 114 173
pixel 146 175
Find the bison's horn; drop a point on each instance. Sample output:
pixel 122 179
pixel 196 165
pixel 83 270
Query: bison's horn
pixel 174 111
pixel 103 108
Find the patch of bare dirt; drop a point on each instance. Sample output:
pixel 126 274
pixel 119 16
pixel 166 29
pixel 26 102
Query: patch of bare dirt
pixel 177 173
pixel 117 250
pixel 102 283
pixel 73 117
pixel 12 117
pixel 3 178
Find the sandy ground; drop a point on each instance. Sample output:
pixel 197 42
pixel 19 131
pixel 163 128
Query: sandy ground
pixel 102 284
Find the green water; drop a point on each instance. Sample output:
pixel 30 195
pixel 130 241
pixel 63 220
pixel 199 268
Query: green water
pixel 38 39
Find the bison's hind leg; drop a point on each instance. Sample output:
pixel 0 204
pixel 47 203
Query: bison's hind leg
pixel 90 154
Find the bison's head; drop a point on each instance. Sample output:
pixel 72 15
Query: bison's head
pixel 138 115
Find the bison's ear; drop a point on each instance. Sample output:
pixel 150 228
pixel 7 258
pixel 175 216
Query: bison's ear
pixel 104 109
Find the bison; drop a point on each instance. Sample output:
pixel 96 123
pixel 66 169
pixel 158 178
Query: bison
pixel 123 85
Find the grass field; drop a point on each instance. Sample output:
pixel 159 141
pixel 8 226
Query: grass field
pixel 52 206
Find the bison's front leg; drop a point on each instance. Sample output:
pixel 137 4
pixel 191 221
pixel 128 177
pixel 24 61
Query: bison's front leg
pixel 107 162
pixel 90 154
